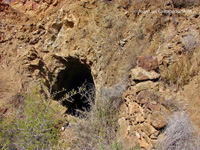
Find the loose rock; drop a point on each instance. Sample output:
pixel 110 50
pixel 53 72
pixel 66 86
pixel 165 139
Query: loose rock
pixel 158 121
pixel 140 74
pixel 147 62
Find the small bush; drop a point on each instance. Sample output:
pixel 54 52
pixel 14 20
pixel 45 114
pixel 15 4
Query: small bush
pixel 179 134
pixel 98 129
pixel 190 43
pixel 32 126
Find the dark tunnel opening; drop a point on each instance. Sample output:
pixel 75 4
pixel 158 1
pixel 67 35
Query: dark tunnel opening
pixel 74 76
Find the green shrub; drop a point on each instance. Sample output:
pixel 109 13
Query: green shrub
pixel 32 126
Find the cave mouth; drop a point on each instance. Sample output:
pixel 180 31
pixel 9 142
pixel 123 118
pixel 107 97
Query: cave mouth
pixel 74 76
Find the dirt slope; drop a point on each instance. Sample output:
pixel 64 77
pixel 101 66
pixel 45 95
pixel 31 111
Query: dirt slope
pixel 38 39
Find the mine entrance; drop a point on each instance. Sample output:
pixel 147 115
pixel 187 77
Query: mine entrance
pixel 74 76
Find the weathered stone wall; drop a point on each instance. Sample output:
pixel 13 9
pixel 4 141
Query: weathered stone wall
pixel 145 112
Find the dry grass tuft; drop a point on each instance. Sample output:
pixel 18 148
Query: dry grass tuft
pixel 179 134
pixel 97 130
pixel 182 70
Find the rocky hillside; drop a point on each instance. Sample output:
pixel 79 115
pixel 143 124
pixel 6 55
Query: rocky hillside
pixel 146 52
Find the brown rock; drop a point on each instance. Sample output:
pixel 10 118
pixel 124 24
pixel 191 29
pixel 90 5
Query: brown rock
pixel 144 86
pixel 133 107
pixel 129 99
pixel 155 135
pixel 147 62
pixel 154 107
pixel 154 142
pixel 157 107
pixel 157 119
pixel 125 94
pixel 143 143
pixel 144 96
pixel 139 73
pixel 129 93
pixel 139 118
pixel 148 129
pixel 150 106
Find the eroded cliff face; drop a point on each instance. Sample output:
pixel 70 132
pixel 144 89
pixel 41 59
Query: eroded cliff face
pixel 40 40
pixel 107 36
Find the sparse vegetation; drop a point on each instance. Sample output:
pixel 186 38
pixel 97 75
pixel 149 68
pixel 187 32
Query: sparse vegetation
pixel 34 122
pixel 179 134
pixel 31 126
pixel 190 43
pixel 97 130
pixel 182 69
pixel 178 72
